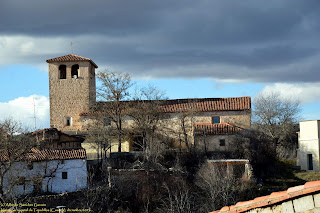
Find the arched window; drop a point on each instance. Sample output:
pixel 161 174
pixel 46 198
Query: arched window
pixel 74 71
pixel 63 71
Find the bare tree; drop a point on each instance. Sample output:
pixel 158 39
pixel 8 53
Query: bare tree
pixel 100 134
pixel 185 122
pixel 179 197
pixel 277 117
pixel 13 145
pixel 146 114
pixel 114 91
pixel 220 186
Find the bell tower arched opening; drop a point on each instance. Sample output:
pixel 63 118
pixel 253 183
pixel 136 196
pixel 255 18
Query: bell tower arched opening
pixel 75 71
pixel 63 72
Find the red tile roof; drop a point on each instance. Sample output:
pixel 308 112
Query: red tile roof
pixel 207 104
pixel 274 198
pixel 198 105
pixel 215 129
pixel 48 154
pixel 71 57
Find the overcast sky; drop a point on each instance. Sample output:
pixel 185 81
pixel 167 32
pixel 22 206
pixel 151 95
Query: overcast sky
pixel 265 45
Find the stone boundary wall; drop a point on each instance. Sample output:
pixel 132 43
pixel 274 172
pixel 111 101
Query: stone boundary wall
pixel 304 198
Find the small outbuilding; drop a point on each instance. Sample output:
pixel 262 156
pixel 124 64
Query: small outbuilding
pixel 308 145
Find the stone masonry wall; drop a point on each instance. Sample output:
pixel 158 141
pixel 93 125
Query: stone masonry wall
pixel 69 97
pixel 237 118
pixel 171 127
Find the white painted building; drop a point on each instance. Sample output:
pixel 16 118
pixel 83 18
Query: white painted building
pixel 308 151
pixel 53 170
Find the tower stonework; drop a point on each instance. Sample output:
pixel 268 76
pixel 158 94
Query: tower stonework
pixel 72 89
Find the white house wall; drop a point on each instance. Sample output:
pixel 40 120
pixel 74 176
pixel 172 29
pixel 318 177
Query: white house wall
pixel 309 144
pixel 76 176
pixel 309 130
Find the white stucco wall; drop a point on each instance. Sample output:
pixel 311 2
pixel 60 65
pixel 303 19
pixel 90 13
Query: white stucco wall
pixel 50 175
pixel 309 144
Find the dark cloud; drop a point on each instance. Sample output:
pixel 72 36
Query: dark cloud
pixel 240 40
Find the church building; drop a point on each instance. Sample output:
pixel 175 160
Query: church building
pixel 72 88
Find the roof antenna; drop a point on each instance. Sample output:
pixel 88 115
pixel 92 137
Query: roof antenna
pixel 71 46
pixel 34 114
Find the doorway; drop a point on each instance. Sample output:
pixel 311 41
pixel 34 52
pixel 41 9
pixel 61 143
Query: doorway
pixel 310 162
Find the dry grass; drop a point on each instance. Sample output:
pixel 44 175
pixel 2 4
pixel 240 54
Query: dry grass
pixel 307 176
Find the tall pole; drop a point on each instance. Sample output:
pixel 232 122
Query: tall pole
pixel 71 46
pixel 34 114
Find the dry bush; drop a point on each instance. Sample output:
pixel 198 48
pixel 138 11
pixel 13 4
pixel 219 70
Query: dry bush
pixel 219 187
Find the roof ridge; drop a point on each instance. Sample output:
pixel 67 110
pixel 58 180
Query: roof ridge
pixel 71 57
pixel 207 124
pixel 36 154
pixel 199 104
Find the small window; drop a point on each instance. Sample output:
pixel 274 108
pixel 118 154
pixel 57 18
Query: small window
pixel 20 180
pixel 222 142
pixel 68 121
pixel 215 119
pixel 30 165
pixel 64 175
pixel 74 71
pixel 63 71
pixel 107 121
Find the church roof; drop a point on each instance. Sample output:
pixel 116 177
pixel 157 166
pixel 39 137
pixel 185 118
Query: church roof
pixel 195 105
pixel 71 57
pixel 207 104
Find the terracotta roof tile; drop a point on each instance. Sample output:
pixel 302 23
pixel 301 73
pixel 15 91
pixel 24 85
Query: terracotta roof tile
pixel 48 154
pixel 196 105
pixel 215 129
pixel 295 189
pixel 275 197
pixel 277 194
pixel 226 208
pixel 232 207
pixel 207 104
pixel 312 184
pixel 242 203
pixel 71 57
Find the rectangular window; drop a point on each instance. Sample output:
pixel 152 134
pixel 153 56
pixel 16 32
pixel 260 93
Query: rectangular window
pixel 310 162
pixel 64 175
pixel 215 119
pixel 68 121
pixel 20 180
pixel 107 121
pixel 30 165
pixel 222 142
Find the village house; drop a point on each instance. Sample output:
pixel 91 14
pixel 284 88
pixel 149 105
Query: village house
pixel 211 122
pixel 52 138
pixel 47 170
pixel 308 157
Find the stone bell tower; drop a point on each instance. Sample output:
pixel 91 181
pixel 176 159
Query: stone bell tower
pixel 72 89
